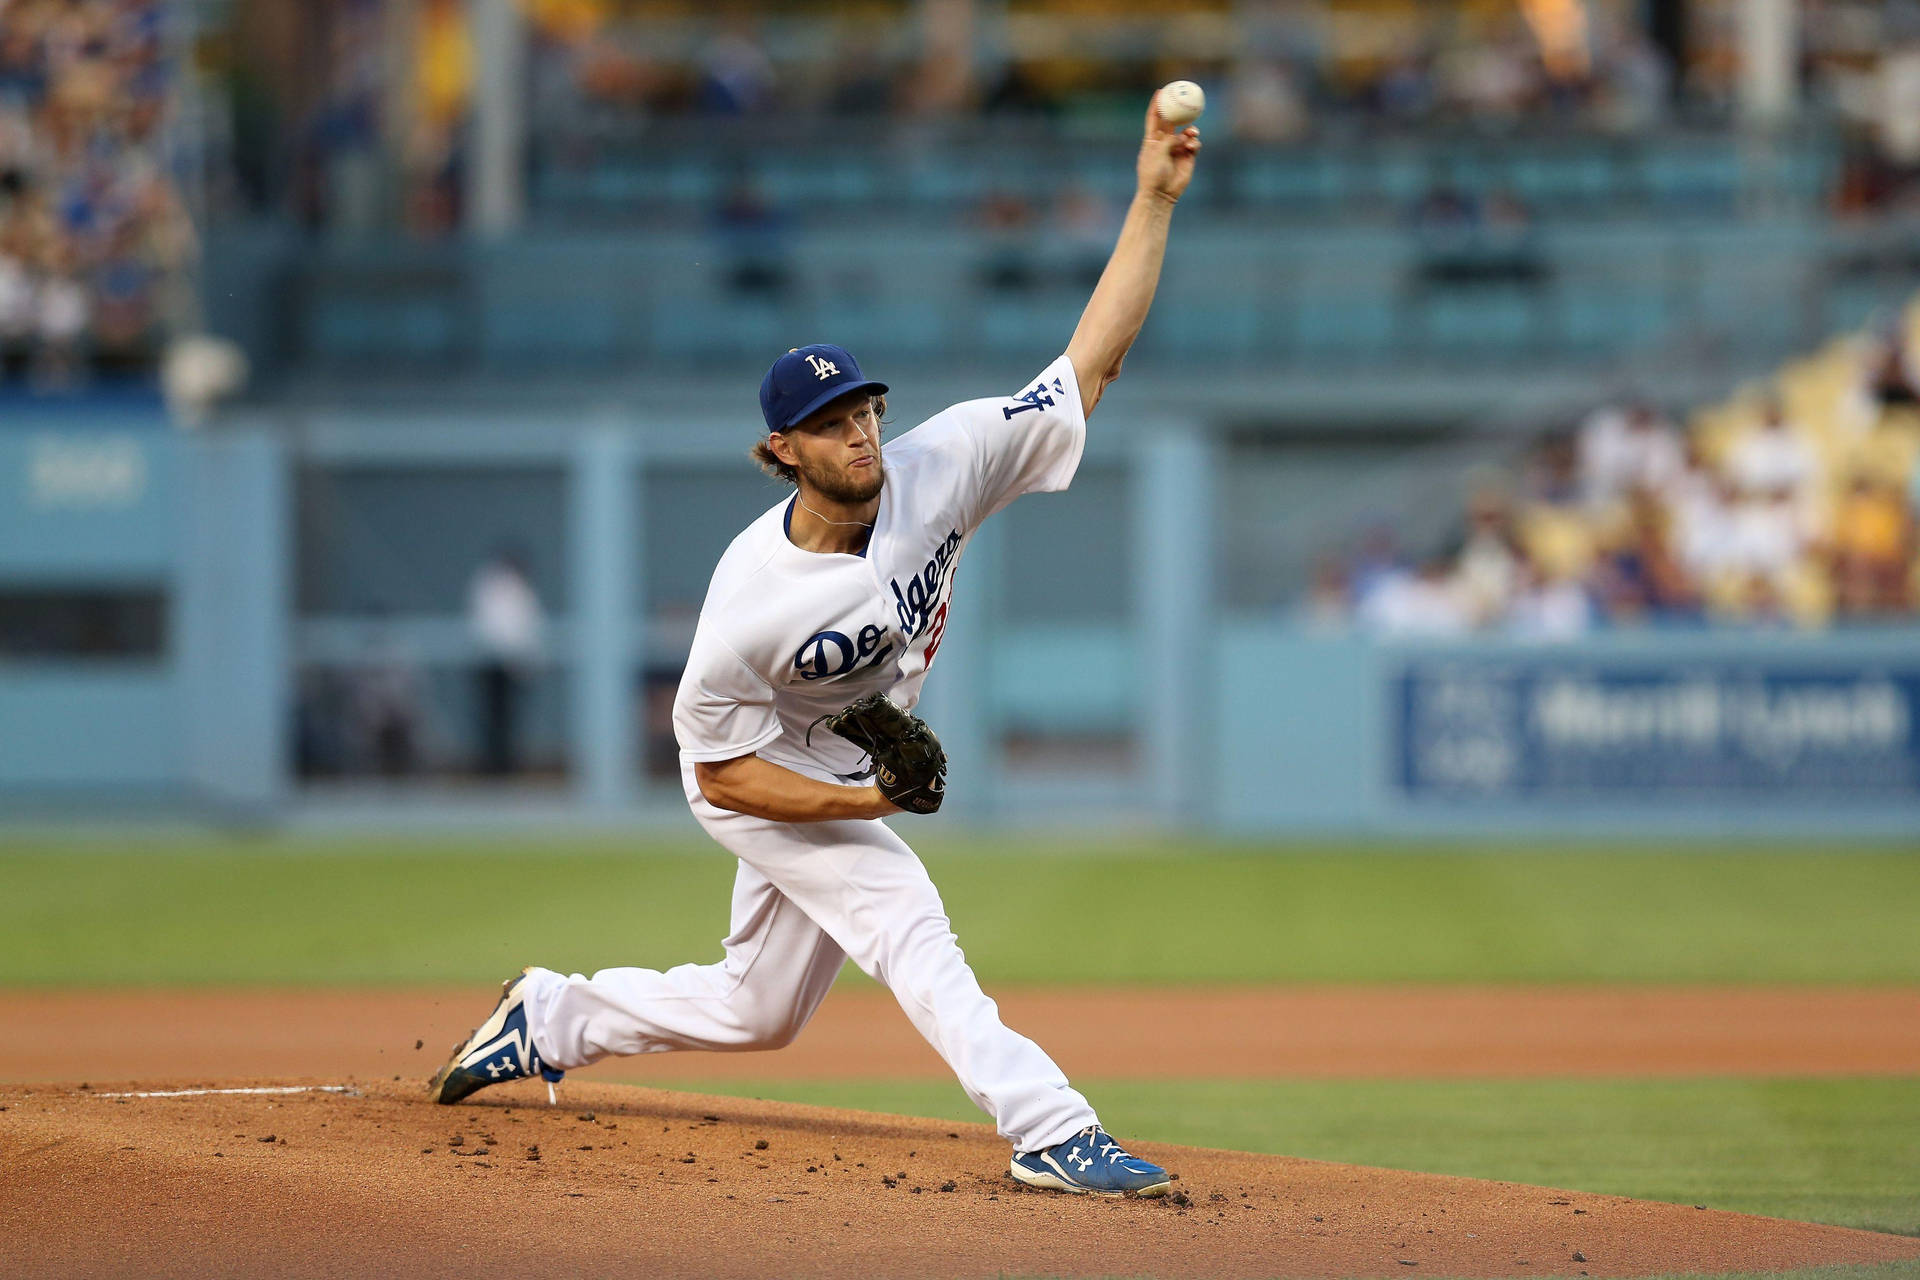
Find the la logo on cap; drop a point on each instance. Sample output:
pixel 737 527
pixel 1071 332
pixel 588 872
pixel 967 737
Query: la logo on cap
pixel 823 369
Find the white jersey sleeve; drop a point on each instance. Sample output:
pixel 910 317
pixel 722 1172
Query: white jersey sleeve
pixel 723 708
pixel 1027 443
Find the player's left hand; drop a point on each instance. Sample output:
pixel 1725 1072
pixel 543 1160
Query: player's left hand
pixel 1166 156
pixel 909 768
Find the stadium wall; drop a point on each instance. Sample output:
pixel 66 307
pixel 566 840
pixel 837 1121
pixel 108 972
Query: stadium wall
pixel 1152 697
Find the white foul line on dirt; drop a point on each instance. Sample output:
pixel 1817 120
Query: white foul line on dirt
pixel 201 1093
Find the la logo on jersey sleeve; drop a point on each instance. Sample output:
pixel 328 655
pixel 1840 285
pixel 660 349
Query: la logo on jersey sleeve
pixel 1040 397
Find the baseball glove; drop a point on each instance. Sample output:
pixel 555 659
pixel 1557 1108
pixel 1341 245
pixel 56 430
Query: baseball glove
pixel 908 765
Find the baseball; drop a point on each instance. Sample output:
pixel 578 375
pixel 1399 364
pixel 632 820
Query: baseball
pixel 1180 103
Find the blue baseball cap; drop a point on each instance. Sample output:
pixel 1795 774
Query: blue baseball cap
pixel 806 378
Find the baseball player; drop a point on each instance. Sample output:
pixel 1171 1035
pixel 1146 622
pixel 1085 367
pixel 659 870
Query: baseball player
pixel 844 590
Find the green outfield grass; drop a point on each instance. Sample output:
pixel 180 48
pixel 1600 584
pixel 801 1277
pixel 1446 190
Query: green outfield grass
pixel 1027 911
pixel 1839 1151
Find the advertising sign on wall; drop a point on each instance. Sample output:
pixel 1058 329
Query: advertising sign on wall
pixel 1594 731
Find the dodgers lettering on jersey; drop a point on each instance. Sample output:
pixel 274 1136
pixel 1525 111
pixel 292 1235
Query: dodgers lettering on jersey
pixel 914 603
pixel 787 635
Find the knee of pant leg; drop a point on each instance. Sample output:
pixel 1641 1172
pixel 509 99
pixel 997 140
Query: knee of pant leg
pixel 781 1035
pixel 926 960
pixel 766 1027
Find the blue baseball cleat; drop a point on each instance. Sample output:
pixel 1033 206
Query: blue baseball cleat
pixel 1090 1162
pixel 499 1049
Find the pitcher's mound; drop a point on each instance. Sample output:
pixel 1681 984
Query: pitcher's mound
pixel 627 1181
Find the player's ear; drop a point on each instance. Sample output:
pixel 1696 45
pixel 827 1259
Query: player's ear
pixel 780 448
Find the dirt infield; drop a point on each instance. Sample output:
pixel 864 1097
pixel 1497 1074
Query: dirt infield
pixel 622 1180
pixel 629 1181
pixel 1175 1034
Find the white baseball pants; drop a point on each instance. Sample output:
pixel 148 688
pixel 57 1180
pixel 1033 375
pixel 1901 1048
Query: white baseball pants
pixel 806 897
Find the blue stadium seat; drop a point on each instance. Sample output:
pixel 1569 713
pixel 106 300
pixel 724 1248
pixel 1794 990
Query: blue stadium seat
pixel 1398 178
pixel 1295 180
pixel 1223 330
pixel 1574 181
pixel 1692 179
pixel 898 326
pixel 1482 320
pixel 383 329
pixel 693 327
pixel 1591 317
pixel 1351 324
pixel 1033 326
pixel 578 328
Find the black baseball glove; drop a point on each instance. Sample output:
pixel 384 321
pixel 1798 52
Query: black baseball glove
pixel 908 765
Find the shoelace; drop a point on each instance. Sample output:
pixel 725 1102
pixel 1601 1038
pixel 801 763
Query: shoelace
pixel 1111 1149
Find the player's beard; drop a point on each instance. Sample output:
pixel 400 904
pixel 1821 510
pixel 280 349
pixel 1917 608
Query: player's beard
pixel 845 486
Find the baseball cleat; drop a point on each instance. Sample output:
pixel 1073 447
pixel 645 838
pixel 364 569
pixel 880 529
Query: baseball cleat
pixel 499 1049
pixel 1090 1163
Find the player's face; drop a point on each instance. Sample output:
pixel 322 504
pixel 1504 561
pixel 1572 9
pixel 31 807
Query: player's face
pixel 837 451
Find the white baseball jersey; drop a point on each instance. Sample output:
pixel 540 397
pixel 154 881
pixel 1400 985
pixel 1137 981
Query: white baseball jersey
pixel 788 635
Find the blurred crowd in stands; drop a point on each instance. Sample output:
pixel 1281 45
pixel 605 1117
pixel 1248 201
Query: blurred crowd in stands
pixel 373 99
pixel 1274 71
pixel 95 242
pixel 1792 504
pixel 357 113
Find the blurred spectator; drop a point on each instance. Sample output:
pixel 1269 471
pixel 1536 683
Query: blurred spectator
pixel 1490 562
pixel 1556 532
pixel 339 152
pixel 1405 92
pixel 16 313
pixel 384 702
pixel 1641 578
pixel 1775 455
pixel 736 77
pixel 1329 605
pixel 442 91
pixel 1623 448
pixel 753 236
pixel 320 749
pixel 859 83
pixel 1423 604
pixel 1087 228
pixel 1265 104
pixel 1873 550
pixel 1491 81
pixel 509 627
pixel 60 323
pixel 1767 538
pixel 1549 605
pixel 1007 219
pixel 1377 564
pixel 1737 521
pixel 95 244
pixel 1704 536
pixel 1445 222
pixel 1466 240
pixel 1635 83
pixel 1890 375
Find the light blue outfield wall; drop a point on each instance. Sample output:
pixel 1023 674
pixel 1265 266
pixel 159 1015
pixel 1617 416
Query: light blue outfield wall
pixel 137 505
pixel 92 506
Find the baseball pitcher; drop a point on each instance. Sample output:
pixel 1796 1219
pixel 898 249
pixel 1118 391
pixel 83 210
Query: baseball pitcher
pixel 796 738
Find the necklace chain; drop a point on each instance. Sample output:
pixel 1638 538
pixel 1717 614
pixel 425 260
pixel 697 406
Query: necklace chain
pixel 849 524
